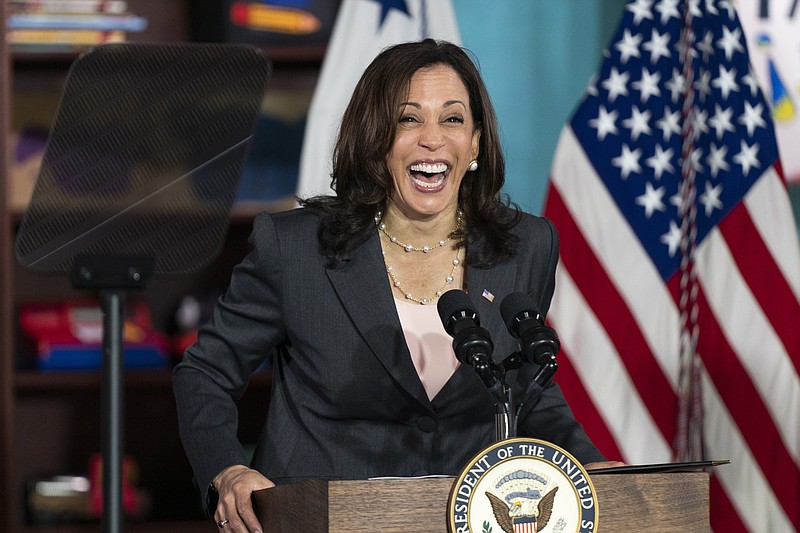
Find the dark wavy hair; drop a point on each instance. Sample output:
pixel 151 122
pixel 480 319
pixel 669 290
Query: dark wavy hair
pixel 361 177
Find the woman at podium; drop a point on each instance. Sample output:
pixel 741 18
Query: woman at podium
pixel 343 291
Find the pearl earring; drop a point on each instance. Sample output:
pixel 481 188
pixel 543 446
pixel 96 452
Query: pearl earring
pixel 473 166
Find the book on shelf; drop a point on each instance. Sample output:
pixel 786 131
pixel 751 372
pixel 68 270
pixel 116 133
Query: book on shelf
pixel 76 21
pixel 67 39
pixel 69 6
pixel 68 26
pixel 27 151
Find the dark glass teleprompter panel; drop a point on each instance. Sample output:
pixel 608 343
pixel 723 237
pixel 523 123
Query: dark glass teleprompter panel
pixel 143 158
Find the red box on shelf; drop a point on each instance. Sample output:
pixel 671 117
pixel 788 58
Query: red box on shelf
pixel 69 335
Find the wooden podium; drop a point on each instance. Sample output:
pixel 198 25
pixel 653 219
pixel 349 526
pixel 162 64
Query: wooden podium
pixel 676 501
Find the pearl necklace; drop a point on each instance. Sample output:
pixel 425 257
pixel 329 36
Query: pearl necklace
pixel 410 247
pixel 425 249
pixel 424 301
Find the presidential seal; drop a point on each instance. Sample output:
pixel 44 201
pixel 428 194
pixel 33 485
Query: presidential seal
pixel 523 485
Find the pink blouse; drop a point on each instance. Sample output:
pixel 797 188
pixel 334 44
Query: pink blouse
pixel 430 346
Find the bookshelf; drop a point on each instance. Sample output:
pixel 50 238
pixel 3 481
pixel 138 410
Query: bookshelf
pixel 7 494
pixel 50 421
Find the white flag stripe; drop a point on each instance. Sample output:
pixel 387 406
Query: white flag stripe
pixel 742 480
pixel 358 36
pixel 620 252
pixel 771 212
pixel 604 375
pixel 751 335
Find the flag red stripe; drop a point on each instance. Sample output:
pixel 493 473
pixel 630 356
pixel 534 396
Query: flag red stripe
pixel 584 409
pixel 615 317
pixel 745 406
pixel 724 516
pixel 766 281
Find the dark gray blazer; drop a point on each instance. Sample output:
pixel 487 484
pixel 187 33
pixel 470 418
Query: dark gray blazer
pixel 347 402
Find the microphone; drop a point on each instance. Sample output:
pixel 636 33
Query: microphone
pixel 471 343
pixel 538 343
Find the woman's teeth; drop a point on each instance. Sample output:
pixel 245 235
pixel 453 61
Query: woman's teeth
pixel 428 176
pixel 424 184
pixel 437 168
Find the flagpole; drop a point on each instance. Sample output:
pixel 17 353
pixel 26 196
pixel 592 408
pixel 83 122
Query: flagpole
pixel 688 439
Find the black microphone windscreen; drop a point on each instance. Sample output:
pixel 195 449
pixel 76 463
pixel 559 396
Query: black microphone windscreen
pixel 452 303
pixel 515 303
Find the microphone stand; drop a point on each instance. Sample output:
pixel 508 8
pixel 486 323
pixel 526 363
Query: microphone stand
pixel 540 380
pixel 493 376
pixel 506 415
pixel 494 379
pixel 505 418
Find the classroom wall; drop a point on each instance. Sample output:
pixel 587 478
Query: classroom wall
pixel 537 58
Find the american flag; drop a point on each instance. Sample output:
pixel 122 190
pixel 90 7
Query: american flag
pixel 678 293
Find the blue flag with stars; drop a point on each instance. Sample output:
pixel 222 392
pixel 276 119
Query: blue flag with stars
pixel 387 5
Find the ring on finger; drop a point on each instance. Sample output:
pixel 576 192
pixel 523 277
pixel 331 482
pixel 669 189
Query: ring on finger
pixel 223 522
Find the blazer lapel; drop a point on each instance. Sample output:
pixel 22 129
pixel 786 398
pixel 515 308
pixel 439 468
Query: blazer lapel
pixel 486 289
pixel 363 289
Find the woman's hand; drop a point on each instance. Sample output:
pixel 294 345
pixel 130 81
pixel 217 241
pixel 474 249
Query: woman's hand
pixel 234 513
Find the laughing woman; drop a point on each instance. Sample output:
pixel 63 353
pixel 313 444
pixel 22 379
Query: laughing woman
pixel 343 292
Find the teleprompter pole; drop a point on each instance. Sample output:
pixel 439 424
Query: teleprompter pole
pixel 113 409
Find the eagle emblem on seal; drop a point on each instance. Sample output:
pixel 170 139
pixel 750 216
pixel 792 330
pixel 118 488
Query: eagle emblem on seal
pixel 517 517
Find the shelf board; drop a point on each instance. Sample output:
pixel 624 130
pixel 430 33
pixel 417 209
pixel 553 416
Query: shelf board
pixel 35 381
pixel 292 55
pixel 190 526
pixel 31 381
